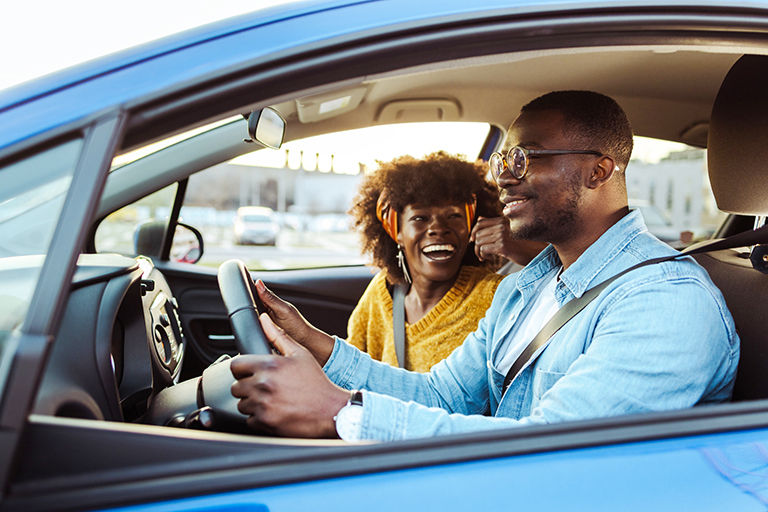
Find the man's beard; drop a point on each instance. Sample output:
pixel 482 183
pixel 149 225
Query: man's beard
pixel 551 227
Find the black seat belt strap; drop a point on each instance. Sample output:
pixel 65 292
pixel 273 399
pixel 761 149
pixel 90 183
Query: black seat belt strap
pixel 573 307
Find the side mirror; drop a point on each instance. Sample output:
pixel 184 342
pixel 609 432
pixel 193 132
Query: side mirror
pixel 186 248
pixel 187 241
pixel 267 127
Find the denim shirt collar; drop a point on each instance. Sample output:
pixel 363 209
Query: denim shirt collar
pixel 580 276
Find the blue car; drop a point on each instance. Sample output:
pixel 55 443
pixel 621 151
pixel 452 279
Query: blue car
pixel 120 180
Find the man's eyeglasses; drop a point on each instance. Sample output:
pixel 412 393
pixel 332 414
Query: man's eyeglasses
pixel 516 159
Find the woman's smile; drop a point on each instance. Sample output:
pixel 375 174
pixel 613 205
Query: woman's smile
pixel 434 239
pixel 439 252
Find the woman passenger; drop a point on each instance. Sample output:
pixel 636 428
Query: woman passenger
pixel 415 218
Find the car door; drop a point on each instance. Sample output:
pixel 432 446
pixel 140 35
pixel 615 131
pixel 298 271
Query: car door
pixel 705 457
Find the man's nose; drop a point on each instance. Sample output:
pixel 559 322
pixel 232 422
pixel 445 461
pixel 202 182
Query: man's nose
pixel 505 179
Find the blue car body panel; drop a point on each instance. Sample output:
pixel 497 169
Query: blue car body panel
pixel 703 473
pixel 248 40
pixel 724 471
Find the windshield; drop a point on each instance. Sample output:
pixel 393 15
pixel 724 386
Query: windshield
pixel 32 193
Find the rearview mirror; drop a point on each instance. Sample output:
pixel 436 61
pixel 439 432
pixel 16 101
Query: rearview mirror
pixel 267 127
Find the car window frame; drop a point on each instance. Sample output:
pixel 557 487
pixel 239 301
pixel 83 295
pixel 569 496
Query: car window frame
pixel 23 367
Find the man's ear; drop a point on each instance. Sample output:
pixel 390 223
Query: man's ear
pixel 602 171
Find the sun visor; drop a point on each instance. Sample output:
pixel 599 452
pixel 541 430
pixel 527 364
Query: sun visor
pixel 324 106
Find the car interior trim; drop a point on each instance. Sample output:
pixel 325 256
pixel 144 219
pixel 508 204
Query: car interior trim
pixel 227 94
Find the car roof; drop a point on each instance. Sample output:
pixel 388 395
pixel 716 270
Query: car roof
pixel 167 66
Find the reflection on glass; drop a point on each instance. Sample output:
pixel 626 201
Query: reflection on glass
pixel 32 194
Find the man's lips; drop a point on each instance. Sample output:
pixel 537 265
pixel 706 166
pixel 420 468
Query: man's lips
pixel 513 204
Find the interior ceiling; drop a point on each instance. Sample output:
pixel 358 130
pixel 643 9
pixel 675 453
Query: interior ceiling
pixel 664 91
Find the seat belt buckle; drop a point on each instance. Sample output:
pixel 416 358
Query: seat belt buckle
pixel 759 258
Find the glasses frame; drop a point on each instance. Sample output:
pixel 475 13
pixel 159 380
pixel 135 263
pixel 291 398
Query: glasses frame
pixel 526 153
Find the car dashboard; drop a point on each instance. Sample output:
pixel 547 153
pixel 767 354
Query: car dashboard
pixel 119 343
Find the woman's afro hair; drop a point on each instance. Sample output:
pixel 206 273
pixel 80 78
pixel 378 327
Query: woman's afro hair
pixel 437 179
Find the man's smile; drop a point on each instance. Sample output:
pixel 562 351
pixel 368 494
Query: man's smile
pixel 513 204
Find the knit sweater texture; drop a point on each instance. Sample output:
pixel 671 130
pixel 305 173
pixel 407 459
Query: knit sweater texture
pixel 436 334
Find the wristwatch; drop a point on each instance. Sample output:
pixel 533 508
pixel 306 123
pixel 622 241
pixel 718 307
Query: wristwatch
pixel 349 419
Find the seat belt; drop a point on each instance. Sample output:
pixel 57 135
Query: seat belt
pixel 398 322
pixel 573 307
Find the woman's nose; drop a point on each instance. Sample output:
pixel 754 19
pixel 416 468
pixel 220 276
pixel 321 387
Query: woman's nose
pixel 438 224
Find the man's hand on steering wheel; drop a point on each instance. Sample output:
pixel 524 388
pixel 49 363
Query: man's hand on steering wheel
pixel 288 394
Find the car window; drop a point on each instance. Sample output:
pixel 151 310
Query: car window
pixel 668 183
pixel 287 208
pixel 132 229
pixel 32 193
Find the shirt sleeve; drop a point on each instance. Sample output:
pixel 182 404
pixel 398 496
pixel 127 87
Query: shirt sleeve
pixel 452 397
pixel 683 352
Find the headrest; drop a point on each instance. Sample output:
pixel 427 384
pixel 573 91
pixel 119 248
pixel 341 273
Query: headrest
pixel 737 146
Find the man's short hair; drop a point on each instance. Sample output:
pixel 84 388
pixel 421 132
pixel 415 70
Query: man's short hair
pixel 592 119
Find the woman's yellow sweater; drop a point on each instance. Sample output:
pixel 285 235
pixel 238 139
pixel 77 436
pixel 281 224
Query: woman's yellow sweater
pixel 435 335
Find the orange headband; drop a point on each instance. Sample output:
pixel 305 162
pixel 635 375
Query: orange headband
pixel 388 216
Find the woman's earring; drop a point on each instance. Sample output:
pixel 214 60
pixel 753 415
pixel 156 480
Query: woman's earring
pixel 403 265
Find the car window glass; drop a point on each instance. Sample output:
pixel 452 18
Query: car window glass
pixel 287 208
pixel 668 183
pixel 138 227
pixel 32 194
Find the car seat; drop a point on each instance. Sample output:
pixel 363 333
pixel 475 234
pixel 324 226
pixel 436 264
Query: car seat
pixel 737 161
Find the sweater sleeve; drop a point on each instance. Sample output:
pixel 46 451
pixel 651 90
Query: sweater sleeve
pixel 357 327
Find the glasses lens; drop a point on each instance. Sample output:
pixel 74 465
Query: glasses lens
pixel 496 164
pixel 517 162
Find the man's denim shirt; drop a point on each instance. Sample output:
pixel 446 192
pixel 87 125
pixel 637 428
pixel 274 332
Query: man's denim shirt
pixel 658 338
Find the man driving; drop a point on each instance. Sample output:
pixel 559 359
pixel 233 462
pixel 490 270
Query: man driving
pixel 658 338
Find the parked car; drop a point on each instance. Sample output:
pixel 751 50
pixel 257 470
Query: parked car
pixel 256 225
pixel 91 340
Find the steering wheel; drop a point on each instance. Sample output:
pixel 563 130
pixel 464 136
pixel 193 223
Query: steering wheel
pixel 240 299
pixel 206 402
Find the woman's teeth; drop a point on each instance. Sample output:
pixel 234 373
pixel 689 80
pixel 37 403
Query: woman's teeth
pixel 439 251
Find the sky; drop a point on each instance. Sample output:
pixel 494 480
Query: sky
pixel 39 37
pixel 42 36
